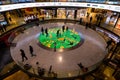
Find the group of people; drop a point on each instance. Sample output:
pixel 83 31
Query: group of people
pixel 63 30
pixel 89 18
pixel 23 55
pixel 44 31
pixel 99 19
pixel 30 18
pixel 58 31
pixel 88 24
pixel 41 71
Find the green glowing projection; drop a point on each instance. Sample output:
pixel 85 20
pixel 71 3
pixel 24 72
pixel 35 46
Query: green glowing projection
pixel 60 39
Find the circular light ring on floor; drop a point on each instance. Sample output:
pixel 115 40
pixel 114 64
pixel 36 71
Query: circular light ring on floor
pixel 63 41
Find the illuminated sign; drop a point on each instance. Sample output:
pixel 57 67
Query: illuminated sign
pixel 58 4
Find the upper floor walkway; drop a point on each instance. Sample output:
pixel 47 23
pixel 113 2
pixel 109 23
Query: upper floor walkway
pixel 114 2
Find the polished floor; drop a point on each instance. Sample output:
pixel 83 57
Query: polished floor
pixel 91 52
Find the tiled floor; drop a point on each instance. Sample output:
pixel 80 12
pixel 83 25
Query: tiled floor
pixel 91 52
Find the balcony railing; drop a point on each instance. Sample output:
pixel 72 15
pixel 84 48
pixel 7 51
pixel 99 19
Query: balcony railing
pixel 114 2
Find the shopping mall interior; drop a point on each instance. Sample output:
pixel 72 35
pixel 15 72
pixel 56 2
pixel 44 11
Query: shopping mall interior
pixel 59 40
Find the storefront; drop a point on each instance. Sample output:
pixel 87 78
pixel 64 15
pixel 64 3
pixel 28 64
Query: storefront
pixel 2 19
pixel 81 13
pixel 61 13
pixel 98 15
pixel 70 13
pixel 66 13
pixel 118 24
pixel 111 18
pixel 50 13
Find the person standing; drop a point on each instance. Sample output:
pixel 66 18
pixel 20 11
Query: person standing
pixel 23 55
pixel 1 28
pixel 31 51
pixel 42 19
pixel 80 65
pixel 42 30
pixel 86 25
pixel 109 42
pixel 54 46
pixel 41 71
pixel 87 15
pixel 4 27
pixel 90 19
pixel 58 31
pixel 97 19
pixel 63 28
pixel 67 28
pixel 80 21
pixel 46 31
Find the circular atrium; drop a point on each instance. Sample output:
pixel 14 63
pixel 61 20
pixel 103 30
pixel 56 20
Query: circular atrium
pixel 59 40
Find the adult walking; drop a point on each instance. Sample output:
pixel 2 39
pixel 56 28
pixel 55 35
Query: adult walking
pixel 31 51
pixel 23 55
